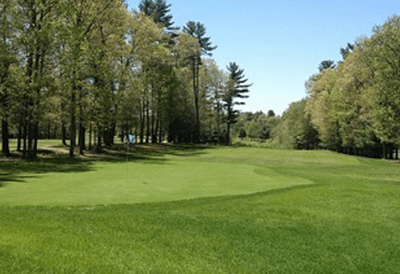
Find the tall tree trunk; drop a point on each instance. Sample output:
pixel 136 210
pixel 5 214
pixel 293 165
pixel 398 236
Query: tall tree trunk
pixel 64 135
pixel 30 138
pixel 218 123
pixel 195 75
pixel 19 135
pixel 228 133
pixel 160 132
pixel 136 135
pixel 81 130
pixel 81 138
pixel 63 127
pixel 154 128
pixel 90 136
pixel 73 125
pixel 112 132
pixel 142 121
pixel 4 138
pixel 25 149
pixel 122 136
pixel 148 121
pixel 35 138
pixel 99 133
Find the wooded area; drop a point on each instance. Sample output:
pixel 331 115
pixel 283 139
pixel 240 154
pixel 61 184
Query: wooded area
pixel 352 106
pixel 92 69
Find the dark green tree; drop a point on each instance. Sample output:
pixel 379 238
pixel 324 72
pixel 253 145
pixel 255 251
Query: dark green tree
pixel 326 64
pixel 237 88
pixel 271 113
pixel 295 129
pixel 242 133
pixel 159 11
pixel 347 50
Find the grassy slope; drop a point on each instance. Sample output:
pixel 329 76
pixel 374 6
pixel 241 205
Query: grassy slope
pixel 347 222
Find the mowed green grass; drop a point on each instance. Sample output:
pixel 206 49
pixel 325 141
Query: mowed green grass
pixel 159 179
pixel 301 212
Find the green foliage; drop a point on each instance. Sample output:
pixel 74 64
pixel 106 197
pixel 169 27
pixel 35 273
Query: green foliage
pixel 198 30
pixel 347 50
pixel 69 67
pixel 355 106
pixel 236 89
pixel 258 126
pixel 295 129
pixel 326 64
pixel 383 50
pixel 158 10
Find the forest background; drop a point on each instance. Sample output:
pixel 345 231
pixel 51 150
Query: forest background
pixel 86 71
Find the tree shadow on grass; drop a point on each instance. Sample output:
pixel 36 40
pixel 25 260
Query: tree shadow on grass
pixel 160 150
pixel 17 169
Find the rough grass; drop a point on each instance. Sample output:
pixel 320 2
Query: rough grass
pixel 347 220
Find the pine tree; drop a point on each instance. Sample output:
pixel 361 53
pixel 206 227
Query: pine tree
pixel 158 10
pixel 198 30
pixel 237 88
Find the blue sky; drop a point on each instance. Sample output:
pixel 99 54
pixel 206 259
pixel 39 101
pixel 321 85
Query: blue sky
pixel 280 43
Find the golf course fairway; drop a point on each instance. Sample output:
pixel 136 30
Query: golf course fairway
pixel 168 178
pixel 194 209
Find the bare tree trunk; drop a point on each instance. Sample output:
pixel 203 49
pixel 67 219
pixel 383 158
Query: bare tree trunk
pixel 142 121
pixel 195 75
pixel 72 132
pixel 228 134
pixel 35 139
pixel 64 135
pixel 90 136
pixel 25 154
pixel 218 123
pixel 99 133
pixel 4 138
pixel 81 138
pixel 30 138
pixel 112 132
pixel 148 121
pixel 19 135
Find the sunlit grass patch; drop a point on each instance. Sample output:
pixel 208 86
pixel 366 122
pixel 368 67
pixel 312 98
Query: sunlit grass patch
pixel 326 213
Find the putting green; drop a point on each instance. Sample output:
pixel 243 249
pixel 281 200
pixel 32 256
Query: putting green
pixel 141 182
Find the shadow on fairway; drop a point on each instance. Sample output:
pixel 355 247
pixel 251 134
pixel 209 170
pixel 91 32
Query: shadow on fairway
pixel 159 150
pixel 13 170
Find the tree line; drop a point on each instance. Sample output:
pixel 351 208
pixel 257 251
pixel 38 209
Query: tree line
pixel 91 69
pixel 352 106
